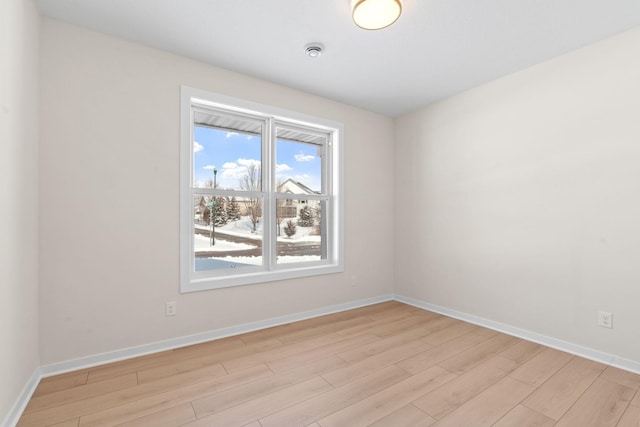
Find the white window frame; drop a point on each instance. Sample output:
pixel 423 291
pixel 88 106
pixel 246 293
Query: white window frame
pixel 191 281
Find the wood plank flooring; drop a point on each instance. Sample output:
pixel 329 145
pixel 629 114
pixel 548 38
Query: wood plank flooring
pixel 388 364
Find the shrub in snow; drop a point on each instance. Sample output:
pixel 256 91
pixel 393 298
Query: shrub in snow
pixel 290 228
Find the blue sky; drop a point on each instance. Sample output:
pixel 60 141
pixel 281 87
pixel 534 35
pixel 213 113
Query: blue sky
pixel 231 153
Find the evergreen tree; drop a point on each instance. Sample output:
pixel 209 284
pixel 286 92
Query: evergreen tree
pixel 318 222
pixel 233 210
pixel 221 217
pixel 306 218
pixel 290 228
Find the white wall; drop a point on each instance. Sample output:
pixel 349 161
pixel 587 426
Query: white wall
pixel 525 190
pixel 524 199
pixel 109 197
pixel 19 22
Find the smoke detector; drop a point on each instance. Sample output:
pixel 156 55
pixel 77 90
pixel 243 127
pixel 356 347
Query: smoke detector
pixel 313 50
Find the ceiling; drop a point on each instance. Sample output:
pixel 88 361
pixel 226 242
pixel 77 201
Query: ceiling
pixel 436 49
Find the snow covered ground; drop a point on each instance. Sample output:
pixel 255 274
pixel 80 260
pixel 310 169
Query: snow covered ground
pixel 203 244
pixel 243 228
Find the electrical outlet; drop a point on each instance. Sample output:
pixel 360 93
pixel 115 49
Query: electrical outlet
pixel 354 281
pixel 605 319
pixel 171 308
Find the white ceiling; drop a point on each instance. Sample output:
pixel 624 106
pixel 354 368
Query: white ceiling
pixel 436 49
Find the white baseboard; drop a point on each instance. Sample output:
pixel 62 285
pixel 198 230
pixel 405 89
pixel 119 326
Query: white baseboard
pixel 12 418
pixel 128 353
pixel 575 349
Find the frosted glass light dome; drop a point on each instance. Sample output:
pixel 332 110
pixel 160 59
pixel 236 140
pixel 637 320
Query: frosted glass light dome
pixel 375 14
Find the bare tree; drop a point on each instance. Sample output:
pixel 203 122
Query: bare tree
pixel 252 181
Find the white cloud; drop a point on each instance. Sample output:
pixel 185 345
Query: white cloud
pixel 230 134
pixel 248 162
pixel 236 170
pixel 209 167
pixel 301 157
pixel 283 168
pixel 202 184
pixel 197 147
pixel 233 173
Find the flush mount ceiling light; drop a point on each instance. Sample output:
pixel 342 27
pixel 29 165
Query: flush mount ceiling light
pixel 375 14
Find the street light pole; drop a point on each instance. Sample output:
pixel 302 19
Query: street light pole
pixel 213 209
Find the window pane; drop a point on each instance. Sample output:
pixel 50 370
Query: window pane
pixel 298 163
pixel 227 153
pixel 227 232
pixel 301 230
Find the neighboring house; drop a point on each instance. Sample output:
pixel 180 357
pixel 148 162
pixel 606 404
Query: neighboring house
pixel 287 208
pixel 201 212
pixel 290 207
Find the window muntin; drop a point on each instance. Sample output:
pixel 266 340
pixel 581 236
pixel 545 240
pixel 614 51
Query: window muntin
pixel 274 168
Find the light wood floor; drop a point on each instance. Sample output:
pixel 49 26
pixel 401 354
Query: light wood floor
pixel 384 365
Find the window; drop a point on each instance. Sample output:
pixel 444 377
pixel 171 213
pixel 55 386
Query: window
pixel 260 193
